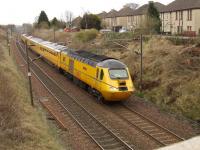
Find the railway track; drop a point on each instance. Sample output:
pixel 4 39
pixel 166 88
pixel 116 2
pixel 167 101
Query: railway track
pixel 150 128
pixel 102 135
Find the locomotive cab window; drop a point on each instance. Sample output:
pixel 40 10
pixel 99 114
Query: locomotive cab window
pixel 118 74
pixel 101 75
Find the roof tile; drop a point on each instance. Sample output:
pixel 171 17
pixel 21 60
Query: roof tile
pixel 182 5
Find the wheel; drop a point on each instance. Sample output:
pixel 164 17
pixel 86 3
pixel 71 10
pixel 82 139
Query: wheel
pixel 76 81
pixel 61 71
pixel 100 97
pixel 90 90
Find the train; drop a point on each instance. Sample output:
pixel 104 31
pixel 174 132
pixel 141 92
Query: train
pixel 105 77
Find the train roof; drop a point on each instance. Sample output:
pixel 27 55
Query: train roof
pixel 92 56
pixel 112 63
pixel 54 46
pixel 87 57
pixel 81 55
pixel 96 60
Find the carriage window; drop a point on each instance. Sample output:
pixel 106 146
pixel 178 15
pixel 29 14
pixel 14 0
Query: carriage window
pixel 101 75
pixel 97 73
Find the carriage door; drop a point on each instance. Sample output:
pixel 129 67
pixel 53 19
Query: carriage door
pixel 97 78
pixel 71 66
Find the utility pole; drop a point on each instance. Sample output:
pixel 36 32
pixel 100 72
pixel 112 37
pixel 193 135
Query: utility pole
pixel 86 25
pixel 29 73
pixel 11 31
pixel 54 34
pixel 8 42
pixel 141 62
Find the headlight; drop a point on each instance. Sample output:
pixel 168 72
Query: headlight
pixel 113 88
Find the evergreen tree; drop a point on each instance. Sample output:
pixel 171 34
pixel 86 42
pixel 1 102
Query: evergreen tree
pixel 54 22
pixel 58 24
pixel 43 18
pixel 153 18
pixel 90 21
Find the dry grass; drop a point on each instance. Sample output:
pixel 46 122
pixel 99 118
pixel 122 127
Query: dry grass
pixel 49 35
pixel 21 126
pixel 75 40
pixel 171 76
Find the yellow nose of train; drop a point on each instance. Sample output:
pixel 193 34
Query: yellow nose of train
pixel 116 84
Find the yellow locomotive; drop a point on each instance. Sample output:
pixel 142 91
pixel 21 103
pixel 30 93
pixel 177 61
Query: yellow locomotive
pixel 105 77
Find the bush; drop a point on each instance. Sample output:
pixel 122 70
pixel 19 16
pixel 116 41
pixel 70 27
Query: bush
pixel 116 35
pixel 90 21
pixel 86 35
pixel 43 25
pixel 181 40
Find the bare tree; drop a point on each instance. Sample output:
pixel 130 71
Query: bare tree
pixel 132 5
pixel 68 18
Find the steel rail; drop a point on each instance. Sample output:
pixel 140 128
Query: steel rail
pixel 145 119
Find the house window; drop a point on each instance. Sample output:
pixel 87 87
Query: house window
pixel 189 15
pixel 189 28
pixel 129 18
pixel 181 15
pixel 176 15
pixel 179 29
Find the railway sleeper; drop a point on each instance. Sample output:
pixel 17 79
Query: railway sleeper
pixel 164 138
pixel 112 145
pixel 156 134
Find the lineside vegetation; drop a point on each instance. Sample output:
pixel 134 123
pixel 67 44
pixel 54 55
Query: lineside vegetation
pixel 21 126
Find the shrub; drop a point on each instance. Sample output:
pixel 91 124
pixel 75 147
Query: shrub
pixel 90 21
pixel 86 35
pixel 44 25
pixel 181 40
pixel 116 35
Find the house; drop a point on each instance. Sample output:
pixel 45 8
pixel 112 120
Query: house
pixel 181 17
pixel 76 22
pixel 178 17
pixel 124 18
pixel 110 19
pixel 102 15
pixel 129 18
pixel 140 13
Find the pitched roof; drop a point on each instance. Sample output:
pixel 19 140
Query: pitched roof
pixel 102 14
pixel 182 5
pixel 111 14
pixel 76 21
pixel 126 11
pixel 143 9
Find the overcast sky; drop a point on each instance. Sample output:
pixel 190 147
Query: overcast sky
pixel 25 11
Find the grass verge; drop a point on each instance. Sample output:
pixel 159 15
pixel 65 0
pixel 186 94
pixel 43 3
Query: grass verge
pixel 21 126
